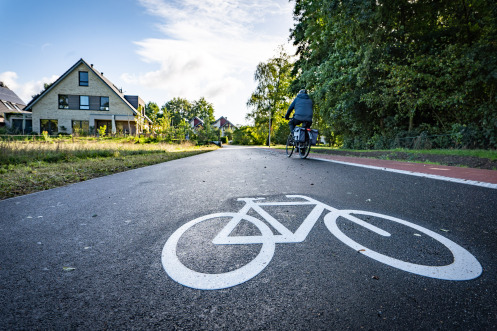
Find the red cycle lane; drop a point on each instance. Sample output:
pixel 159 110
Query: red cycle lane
pixel 480 177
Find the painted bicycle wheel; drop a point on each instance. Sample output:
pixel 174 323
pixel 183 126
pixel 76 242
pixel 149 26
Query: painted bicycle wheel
pixel 464 266
pixel 186 276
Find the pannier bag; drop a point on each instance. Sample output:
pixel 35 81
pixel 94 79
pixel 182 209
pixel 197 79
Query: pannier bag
pixel 314 137
pixel 299 134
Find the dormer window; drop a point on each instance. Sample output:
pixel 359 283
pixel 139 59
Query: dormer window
pixel 83 78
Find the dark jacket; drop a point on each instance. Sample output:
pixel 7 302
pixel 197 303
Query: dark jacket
pixel 303 108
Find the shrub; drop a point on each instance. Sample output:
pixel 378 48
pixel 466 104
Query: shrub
pixel 101 131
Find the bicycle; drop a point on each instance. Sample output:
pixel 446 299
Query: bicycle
pixel 464 267
pixel 302 147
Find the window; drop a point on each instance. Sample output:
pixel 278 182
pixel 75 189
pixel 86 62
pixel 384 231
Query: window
pixel 7 105
pixel 51 126
pixel 83 78
pixel 17 125
pixel 63 101
pixel 104 103
pixel 81 127
pixel 84 102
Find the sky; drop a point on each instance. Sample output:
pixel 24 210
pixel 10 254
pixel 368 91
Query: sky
pixel 157 49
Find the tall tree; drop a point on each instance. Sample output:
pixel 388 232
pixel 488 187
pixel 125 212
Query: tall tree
pixel 178 109
pixel 152 111
pixel 203 110
pixel 380 68
pixel 270 99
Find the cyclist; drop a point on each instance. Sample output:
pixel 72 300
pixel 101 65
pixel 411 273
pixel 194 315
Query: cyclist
pixel 303 110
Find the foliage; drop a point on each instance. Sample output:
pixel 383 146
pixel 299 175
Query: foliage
pixel 176 114
pixel 229 134
pixel 46 136
pixel 203 110
pixel 177 109
pixel 381 68
pixel 102 130
pixel 270 100
pixel 207 133
pixel 46 86
pixel 152 111
pixel 247 135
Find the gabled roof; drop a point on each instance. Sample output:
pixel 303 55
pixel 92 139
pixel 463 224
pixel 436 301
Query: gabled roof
pixel 90 68
pixel 7 94
pixel 223 121
pixel 194 122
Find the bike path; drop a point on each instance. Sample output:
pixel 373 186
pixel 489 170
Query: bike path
pixel 478 177
pixel 87 256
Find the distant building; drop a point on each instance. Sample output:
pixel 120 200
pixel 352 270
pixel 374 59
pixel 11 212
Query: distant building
pixel 83 98
pixel 196 123
pixel 223 125
pixel 12 113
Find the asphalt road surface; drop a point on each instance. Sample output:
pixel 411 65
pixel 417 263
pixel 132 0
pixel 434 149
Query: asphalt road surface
pixel 135 250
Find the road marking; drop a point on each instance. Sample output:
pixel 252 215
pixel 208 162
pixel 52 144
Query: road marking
pixel 418 174
pixel 463 267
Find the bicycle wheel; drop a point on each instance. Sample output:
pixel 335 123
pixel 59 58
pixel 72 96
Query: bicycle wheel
pixel 289 145
pixel 305 147
pixel 206 281
pixel 464 267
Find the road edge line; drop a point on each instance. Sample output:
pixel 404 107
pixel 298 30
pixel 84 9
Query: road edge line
pixel 418 174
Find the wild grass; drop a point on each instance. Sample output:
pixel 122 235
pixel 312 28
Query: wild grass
pixel 27 167
pixel 19 152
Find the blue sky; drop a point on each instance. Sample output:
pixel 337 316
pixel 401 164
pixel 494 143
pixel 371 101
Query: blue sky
pixel 158 49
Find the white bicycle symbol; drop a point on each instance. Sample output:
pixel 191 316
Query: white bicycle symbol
pixel 464 266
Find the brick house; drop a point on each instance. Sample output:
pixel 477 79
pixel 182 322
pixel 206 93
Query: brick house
pixel 12 113
pixel 83 100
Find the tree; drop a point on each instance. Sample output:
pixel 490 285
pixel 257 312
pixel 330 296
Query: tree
pixel 139 120
pixel 152 111
pixel 178 109
pixel 381 68
pixel 244 135
pixel 203 110
pixel 271 99
pixel 46 86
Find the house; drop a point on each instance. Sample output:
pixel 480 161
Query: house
pixel 196 123
pixel 12 113
pixel 83 100
pixel 223 125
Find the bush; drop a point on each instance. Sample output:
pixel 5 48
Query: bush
pixel 102 130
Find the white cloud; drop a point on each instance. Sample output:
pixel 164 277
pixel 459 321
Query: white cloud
pixel 27 89
pixel 211 49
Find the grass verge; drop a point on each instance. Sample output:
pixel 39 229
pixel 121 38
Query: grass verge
pixel 53 171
